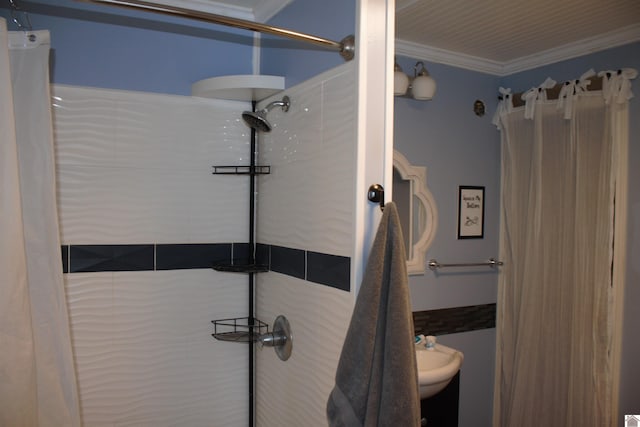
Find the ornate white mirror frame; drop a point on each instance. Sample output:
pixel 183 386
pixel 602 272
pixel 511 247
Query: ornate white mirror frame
pixel 426 212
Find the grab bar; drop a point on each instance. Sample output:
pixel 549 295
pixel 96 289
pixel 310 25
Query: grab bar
pixel 492 262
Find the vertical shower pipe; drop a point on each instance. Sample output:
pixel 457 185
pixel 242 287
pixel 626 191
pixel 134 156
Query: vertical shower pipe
pixel 252 261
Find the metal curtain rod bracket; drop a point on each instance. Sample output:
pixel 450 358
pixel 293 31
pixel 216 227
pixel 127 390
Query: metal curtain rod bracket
pixel 492 262
pixel 346 47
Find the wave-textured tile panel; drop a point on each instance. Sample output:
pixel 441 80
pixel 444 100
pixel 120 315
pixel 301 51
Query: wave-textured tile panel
pixel 182 133
pixel 109 205
pixel 292 149
pixel 137 168
pixel 319 317
pixel 144 353
pixel 312 152
pixel 339 151
pixel 84 128
pixel 144 130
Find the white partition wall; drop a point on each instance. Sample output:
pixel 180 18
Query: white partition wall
pixel 314 221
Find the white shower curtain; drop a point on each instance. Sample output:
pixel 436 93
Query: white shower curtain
pixel 37 378
pixel 554 326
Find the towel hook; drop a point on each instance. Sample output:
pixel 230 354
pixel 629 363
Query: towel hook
pixel 376 195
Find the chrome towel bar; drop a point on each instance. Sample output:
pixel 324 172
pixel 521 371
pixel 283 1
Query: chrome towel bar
pixel 492 262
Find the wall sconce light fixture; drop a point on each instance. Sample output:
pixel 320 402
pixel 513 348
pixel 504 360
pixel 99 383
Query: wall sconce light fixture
pixel 421 86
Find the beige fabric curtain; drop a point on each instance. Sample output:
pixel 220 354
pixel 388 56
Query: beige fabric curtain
pixel 553 323
pixel 37 378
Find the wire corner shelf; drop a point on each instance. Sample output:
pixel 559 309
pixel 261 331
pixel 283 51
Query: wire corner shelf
pixel 239 329
pixel 241 170
pixel 241 267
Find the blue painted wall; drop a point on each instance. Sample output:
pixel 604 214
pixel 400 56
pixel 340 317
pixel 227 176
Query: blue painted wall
pixel 108 47
pixel 612 59
pixel 328 19
pixel 458 148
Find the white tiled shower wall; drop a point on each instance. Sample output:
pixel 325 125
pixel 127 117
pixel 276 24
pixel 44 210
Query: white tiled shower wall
pixel 135 168
pixel 307 202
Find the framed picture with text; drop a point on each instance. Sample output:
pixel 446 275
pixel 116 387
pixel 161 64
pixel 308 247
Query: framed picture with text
pixel 470 212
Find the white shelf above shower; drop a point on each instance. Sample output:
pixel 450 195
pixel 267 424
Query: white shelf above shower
pixel 247 87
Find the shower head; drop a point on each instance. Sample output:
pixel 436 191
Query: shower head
pixel 258 119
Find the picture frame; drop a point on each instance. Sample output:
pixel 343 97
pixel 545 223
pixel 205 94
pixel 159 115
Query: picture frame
pixel 470 212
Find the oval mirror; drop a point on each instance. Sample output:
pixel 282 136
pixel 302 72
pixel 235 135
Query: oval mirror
pixel 417 210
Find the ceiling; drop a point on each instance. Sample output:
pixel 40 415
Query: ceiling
pixel 493 36
pixel 506 36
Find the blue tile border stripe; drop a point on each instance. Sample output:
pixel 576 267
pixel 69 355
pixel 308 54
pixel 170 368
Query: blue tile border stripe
pixel 145 257
pixel 316 267
pixel 325 269
pixel 65 258
pixel 291 262
pixel 188 256
pixel 94 258
pixel 330 270
pixel 456 319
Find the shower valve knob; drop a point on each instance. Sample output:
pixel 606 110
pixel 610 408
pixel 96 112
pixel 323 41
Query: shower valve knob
pixel 280 338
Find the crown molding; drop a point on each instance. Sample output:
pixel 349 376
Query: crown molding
pixel 441 56
pixel 214 7
pixel 262 11
pixel 583 47
pixel 267 9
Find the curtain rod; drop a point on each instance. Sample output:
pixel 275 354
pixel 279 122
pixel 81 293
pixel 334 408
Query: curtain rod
pixel 554 92
pixel 346 47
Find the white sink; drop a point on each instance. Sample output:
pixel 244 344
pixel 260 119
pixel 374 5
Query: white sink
pixel 436 368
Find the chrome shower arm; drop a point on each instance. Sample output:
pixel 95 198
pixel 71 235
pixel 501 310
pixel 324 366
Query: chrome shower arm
pixel 285 103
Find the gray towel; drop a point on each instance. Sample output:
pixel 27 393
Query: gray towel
pixel 377 379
